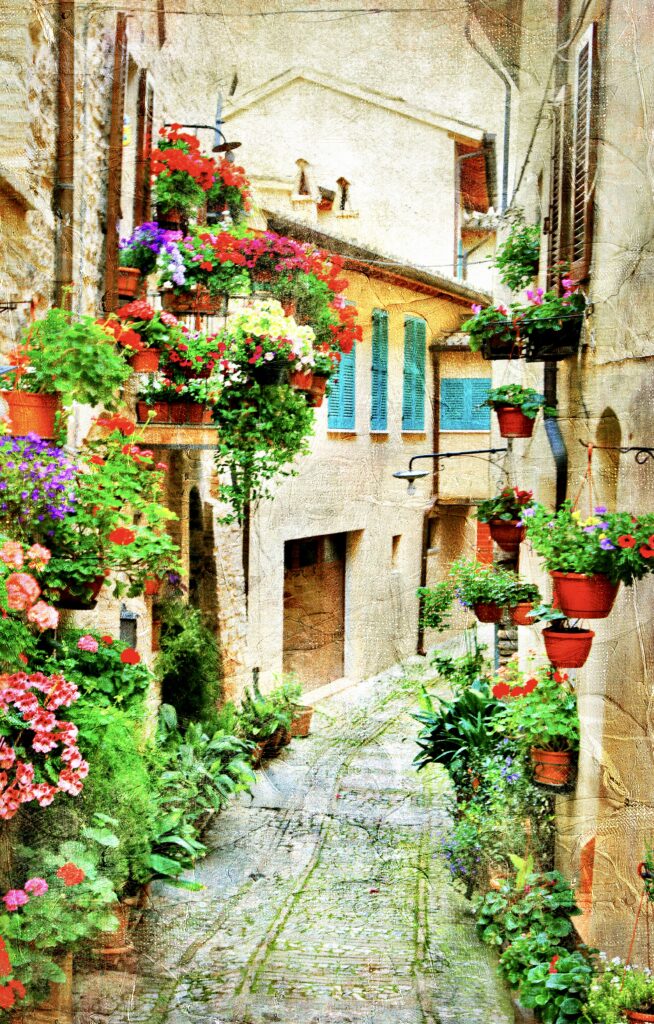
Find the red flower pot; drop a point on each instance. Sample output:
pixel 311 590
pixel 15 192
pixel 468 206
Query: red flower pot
pixel 186 412
pixel 301 724
pixel 584 597
pixel 487 611
pixel 317 390
pixel 75 602
pixel 129 282
pixel 513 422
pixel 32 414
pixel 199 301
pixel 640 1018
pixel 506 534
pixel 551 767
pixel 289 307
pixel 146 361
pixel 301 380
pixel 152 586
pixel 161 412
pixel 521 613
pixel 567 649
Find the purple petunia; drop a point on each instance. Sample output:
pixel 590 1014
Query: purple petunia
pixel 606 544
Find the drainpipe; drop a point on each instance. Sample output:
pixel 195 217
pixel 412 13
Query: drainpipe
pixel 554 435
pixel 63 197
pixel 506 81
pixel 426 520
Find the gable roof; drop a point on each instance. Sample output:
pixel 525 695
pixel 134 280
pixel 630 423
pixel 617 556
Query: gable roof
pixel 395 104
pixel 367 261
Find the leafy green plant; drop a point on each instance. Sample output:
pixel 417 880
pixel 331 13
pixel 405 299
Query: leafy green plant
pixel 527 400
pixel 96 667
pixel 544 717
pixel 508 505
pixel 518 255
pixel 546 904
pixel 557 990
pixel 73 356
pixel 260 716
pixel 618 988
pixel 616 544
pixel 189 663
pixel 457 730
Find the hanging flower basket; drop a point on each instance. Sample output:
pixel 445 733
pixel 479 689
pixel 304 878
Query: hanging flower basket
pixel 69 601
pixel 584 597
pixel 551 767
pixel 507 534
pixel 549 345
pixel 186 412
pixel 146 361
pixel 568 648
pixel 200 301
pixel 300 379
pixel 521 613
pixel 129 282
pixel 271 372
pixel 32 414
pixel 317 390
pixel 513 422
pixel 161 411
pixel 301 724
pixel 487 612
pixel 499 346
pixel 172 220
pixel 152 586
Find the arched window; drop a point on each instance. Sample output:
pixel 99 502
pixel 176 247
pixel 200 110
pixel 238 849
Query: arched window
pixel 304 184
pixel 343 194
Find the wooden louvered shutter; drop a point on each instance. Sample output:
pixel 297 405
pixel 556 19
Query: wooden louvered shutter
pixel 559 189
pixel 379 377
pixel 341 413
pixel 144 129
pixel 584 153
pixel 413 382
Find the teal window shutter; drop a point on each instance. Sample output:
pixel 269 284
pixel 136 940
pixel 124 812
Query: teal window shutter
pixel 413 382
pixel 461 403
pixel 341 411
pixel 379 380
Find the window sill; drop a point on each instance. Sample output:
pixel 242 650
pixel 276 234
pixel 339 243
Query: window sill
pixel 414 433
pixel 463 430
pixel 379 433
pixel 303 199
pixel 339 432
pixel 347 214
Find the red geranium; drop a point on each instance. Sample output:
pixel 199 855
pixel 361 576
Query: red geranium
pixel 70 874
pixel 130 657
pixel 626 541
pixel 107 639
pixel 501 690
pixel 121 535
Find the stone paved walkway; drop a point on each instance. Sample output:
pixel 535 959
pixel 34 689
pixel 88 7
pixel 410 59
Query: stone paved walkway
pixel 325 900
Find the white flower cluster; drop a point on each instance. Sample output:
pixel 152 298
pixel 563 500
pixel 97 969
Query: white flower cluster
pixel 265 318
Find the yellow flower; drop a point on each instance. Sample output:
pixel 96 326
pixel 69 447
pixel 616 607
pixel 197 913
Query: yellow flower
pixel 576 515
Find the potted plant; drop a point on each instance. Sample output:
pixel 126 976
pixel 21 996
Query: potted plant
pixel 620 992
pixel 196 273
pixel 324 367
pixel 567 645
pixel 543 720
pixel 229 192
pixel 137 257
pixel 495 331
pixel 182 177
pixel 518 255
pixel 521 603
pixel 517 409
pixel 484 588
pixel 172 401
pixel 264 341
pixel 149 335
pixel 552 323
pixel 504 516
pixel 588 557
pixel 63 358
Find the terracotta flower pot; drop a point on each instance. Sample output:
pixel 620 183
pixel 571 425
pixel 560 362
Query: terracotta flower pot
pixel 640 1018
pixel 58 1007
pixel 186 412
pixel 567 649
pixel 513 422
pixel 115 943
pixel 146 361
pixel 129 282
pixel 317 390
pixel 584 597
pixel 301 724
pixel 75 602
pixel 152 586
pixel 301 379
pixel 551 767
pixel 279 738
pixel 521 613
pixel 487 611
pixel 198 301
pixel 161 412
pixel 32 414
pixel 506 533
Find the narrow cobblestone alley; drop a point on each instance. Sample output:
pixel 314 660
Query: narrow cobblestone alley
pixel 323 900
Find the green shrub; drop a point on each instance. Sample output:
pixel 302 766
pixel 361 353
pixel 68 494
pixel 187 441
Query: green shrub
pixel 189 664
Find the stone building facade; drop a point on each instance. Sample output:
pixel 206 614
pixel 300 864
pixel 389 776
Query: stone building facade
pixel 583 170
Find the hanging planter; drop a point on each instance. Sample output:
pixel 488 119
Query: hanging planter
pixel 152 586
pixel 551 767
pixel 507 534
pixel 32 414
pixel 584 597
pixel 146 361
pixel 513 422
pixel 200 301
pixel 317 389
pixel 521 613
pixel 636 1017
pixel 70 601
pixel 548 344
pixel 269 373
pixel 129 282
pixel 487 611
pixel 503 345
pixel 301 723
pixel 174 219
pixel 301 379
pixel 568 648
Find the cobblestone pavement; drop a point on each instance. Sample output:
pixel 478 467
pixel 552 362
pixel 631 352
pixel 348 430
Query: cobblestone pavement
pixel 325 900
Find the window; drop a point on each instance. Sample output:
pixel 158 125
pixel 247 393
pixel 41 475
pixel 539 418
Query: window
pixel 395 550
pixel 461 403
pixel 341 413
pixel 303 180
pixel 379 379
pixel 344 194
pixel 584 150
pixel 413 390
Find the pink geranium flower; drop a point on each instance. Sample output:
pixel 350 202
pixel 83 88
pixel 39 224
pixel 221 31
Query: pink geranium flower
pixel 22 591
pixel 37 886
pixel 88 643
pixel 44 616
pixel 15 898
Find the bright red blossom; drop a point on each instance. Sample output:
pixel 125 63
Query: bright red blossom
pixel 130 657
pixel 70 874
pixel 121 535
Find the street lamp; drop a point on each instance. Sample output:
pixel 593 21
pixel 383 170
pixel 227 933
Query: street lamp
pixel 411 474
